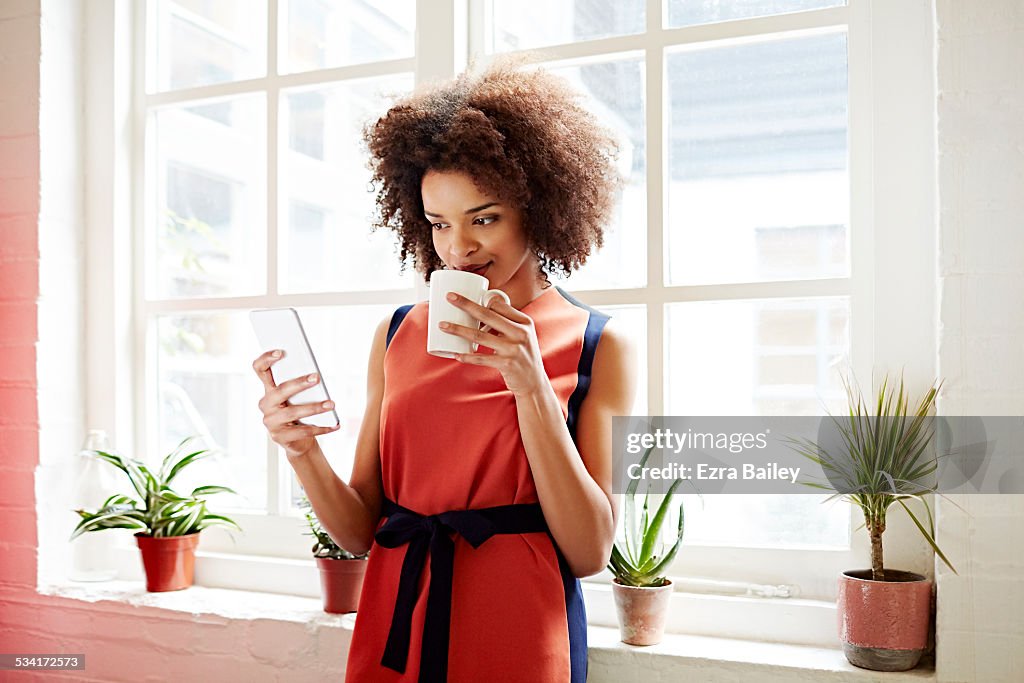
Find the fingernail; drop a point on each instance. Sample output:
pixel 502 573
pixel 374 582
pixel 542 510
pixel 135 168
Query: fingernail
pixel 311 378
pixel 276 354
pixel 445 326
pixel 328 404
pixel 452 296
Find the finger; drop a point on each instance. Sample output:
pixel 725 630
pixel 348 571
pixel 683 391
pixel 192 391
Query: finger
pixel 294 413
pixel 487 315
pixel 262 367
pixel 288 433
pixel 285 390
pixel 476 359
pixel 478 336
pixel 510 312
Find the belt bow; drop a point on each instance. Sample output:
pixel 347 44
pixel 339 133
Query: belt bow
pixel 432 533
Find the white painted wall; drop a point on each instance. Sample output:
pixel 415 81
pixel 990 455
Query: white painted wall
pixel 60 364
pixel 980 115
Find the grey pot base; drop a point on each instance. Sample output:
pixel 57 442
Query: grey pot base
pixel 880 658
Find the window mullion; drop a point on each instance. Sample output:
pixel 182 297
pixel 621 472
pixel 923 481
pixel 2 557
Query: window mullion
pixel 441 39
pixel 275 467
pixel 654 70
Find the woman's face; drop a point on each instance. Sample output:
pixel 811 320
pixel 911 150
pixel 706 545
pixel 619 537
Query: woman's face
pixel 474 231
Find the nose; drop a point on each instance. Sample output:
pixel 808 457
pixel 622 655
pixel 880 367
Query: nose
pixel 461 241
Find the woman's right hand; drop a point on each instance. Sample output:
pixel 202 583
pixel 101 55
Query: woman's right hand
pixel 281 419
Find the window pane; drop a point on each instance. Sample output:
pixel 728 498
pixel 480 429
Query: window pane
pixel 763 357
pixel 341 337
pixel 688 12
pixel 522 24
pixel 614 93
pixel 209 187
pixel 766 357
pixel 329 33
pixel 757 158
pixel 326 210
pixel 199 42
pixel 767 521
pixel 207 387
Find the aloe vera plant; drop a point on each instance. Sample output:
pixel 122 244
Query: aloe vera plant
pixel 643 560
pixel 159 510
pixel 883 461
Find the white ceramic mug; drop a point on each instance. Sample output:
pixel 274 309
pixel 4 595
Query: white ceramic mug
pixel 469 285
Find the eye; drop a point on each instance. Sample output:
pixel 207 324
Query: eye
pixel 437 226
pixel 489 219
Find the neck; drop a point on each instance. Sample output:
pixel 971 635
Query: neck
pixel 524 286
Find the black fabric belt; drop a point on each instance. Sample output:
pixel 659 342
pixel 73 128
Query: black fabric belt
pixel 432 532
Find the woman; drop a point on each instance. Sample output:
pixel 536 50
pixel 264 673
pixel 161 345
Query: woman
pixel 481 485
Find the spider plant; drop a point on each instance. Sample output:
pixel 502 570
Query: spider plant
pixel 883 460
pixel 642 559
pixel 159 510
pixel 324 545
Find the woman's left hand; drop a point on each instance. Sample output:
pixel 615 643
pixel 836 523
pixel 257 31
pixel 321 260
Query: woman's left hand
pixel 516 351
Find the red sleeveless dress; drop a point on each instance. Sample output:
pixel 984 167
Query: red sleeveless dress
pixel 464 582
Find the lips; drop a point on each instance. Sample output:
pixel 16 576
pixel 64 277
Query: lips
pixel 478 269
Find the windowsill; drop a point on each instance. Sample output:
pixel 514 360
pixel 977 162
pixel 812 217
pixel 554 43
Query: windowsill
pixel 677 653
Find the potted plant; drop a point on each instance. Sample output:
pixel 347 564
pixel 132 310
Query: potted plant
pixel 640 587
pixel 875 461
pixel 170 522
pixel 341 572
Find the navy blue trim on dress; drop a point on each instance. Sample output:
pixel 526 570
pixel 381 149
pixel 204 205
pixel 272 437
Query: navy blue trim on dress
pixel 576 613
pixel 396 320
pixel 595 325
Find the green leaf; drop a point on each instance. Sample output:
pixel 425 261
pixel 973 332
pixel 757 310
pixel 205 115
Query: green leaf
pixel 929 536
pixel 210 490
pixel 211 519
pixel 184 462
pixel 652 534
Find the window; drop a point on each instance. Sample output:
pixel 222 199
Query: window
pixel 748 186
pixel 741 254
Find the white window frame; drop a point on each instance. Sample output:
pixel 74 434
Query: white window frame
pixel 892 217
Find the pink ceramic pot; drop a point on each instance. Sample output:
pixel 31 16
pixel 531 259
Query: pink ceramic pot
pixel 883 625
pixel 642 612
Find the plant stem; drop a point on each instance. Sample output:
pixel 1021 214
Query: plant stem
pixel 875 528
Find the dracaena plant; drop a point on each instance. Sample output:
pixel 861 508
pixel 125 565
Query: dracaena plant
pixel 880 459
pixel 644 556
pixel 158 509
pixel 324 545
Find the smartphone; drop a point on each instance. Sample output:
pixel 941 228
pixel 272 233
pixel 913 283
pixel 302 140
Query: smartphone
pixel 281 328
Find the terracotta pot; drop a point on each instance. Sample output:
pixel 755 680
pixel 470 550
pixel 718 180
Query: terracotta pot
pixel 883 625
pixel 341 582
pixel 642 612
pixel 169 561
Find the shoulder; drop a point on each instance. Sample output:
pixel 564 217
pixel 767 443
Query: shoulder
pixel 613 335
pixel 614 371
pixel 615 346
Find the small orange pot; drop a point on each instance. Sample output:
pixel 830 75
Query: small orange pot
pixel 169 561
pixel 883 625
pixel 642 612
pixel 341 582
